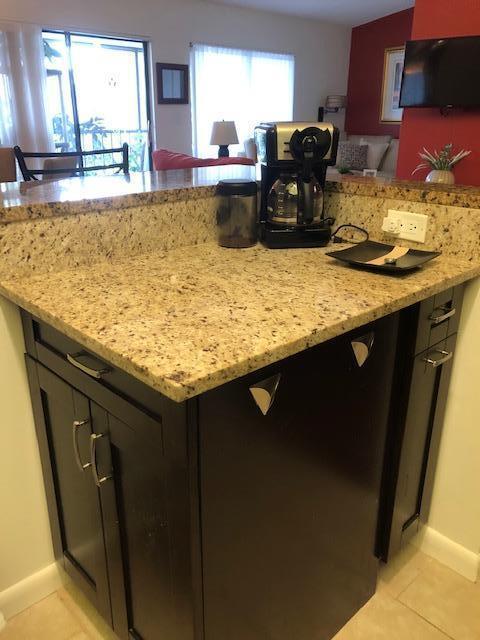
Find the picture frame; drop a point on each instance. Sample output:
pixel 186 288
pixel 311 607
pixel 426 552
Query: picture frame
pixel 172 83
pixel 390 111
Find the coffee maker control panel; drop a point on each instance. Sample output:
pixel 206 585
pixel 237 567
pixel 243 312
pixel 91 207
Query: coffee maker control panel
pixel 273 141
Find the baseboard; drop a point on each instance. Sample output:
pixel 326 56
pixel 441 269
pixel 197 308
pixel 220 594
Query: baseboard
pixel 448 552
pixel 23 594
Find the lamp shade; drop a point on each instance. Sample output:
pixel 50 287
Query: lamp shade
pixel 335 102
pixel 224 133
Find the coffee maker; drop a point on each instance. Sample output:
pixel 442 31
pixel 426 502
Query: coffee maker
pixel 294 157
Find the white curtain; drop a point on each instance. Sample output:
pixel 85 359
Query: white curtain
pixel 23 112
pixel 247 87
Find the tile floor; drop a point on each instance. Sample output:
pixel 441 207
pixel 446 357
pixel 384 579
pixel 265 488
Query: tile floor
pixel 417 599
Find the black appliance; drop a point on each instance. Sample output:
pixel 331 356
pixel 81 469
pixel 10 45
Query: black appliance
pixel 294 157
pixel 441 73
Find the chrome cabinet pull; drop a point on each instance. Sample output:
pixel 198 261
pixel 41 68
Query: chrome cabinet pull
pixel 447 355
pixel 76 426
pixel 264 392
pixel 448 314
pixel 93 457
pixel 94 373
pixel 362 347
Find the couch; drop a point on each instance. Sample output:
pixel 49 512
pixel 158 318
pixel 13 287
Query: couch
pixel 388 165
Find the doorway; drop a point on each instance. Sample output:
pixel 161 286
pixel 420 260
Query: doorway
pixel 98 94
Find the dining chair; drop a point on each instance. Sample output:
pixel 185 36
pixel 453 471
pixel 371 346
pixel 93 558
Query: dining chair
pixel 8 171
pixel 69 168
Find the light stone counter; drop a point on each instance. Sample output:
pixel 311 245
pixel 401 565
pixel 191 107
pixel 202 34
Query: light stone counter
pixel 93 194
pixel 193 318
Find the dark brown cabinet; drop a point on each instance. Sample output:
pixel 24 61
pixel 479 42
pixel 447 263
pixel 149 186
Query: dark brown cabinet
pixel 247 512
pixel 423 368
pixel 113 503
pixel 66 425
pixel 291 497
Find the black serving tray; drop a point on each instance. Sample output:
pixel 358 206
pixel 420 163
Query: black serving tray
pixel 361 254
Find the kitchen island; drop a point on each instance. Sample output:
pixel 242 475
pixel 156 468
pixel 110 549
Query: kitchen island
pixel 212 393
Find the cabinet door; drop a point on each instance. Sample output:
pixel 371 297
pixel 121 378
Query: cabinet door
pixel 143 552
pixel 289 499
pixel 64 423
pixel 419 450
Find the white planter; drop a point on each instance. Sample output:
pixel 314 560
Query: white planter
pixel 441 176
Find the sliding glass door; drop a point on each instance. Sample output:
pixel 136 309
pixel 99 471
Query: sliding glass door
pixel 98 94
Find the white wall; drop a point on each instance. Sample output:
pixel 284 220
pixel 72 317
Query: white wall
pixel 321 50
pixel 455 512
pixel 25 543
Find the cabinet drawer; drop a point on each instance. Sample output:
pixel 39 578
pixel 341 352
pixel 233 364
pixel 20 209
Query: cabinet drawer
pixel 83 368
pixel 439 317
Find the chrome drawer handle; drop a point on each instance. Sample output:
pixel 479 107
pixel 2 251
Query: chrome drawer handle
pixel 93 457
pixel 438 319
pixel 264 392
pixel 94 373
pixel 447 355
pixel 76 426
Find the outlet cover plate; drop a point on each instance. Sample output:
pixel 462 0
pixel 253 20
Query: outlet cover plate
pixel 411 226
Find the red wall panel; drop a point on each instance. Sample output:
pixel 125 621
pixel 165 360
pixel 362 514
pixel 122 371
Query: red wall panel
pixel 427 127
pixel 369 42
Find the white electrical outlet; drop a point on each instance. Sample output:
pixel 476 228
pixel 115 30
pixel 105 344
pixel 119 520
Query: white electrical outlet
pixel 406 225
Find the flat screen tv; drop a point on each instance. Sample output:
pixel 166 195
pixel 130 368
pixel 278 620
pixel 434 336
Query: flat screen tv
pixel 442 73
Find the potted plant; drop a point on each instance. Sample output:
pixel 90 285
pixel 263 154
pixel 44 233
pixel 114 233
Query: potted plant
pixel 441 164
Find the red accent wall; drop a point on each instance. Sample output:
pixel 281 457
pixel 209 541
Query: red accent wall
pixel 427 127
pixel 369 42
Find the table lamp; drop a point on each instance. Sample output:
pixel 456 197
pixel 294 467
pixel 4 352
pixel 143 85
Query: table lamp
pixel 224 133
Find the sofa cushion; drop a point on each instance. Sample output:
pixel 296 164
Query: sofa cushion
pixel 389 164
pixel 351 155
pixel 376 153
pixel 164 159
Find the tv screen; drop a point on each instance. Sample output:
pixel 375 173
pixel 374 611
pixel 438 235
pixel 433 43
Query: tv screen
pixel 441 73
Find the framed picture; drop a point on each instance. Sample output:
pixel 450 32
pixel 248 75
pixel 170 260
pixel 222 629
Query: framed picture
pixel 172 83
pixel 392 82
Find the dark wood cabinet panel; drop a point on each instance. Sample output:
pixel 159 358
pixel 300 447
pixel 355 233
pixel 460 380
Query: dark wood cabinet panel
pixel 416 419
pixel 134 456
pixel 289 500
pixel 77 500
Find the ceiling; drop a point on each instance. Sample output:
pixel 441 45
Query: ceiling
pixel 347 12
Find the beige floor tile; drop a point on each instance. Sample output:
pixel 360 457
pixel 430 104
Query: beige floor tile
pixel 49 619
pixel 88 618
pixel 384 618
pixel 402 570
pixel 447 600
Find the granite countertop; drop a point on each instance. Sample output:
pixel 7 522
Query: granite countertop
pixel 43 199
pixel 427 192
pixel 191 319
pixel 71 196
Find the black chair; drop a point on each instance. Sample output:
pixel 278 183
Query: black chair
pixel 68 171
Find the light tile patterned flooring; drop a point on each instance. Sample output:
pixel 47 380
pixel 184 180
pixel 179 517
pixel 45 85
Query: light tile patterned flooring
pixel 417 599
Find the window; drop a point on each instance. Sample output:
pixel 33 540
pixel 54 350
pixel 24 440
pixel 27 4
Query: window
pixel 247 87
pixel 97 90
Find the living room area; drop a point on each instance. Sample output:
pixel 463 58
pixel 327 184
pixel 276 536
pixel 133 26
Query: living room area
pixel 175 80
pixel 145 94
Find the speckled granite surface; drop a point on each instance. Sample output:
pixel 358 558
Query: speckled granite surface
pixel 46 199
pixel 50 198
pixel 407 190
pixel 190 319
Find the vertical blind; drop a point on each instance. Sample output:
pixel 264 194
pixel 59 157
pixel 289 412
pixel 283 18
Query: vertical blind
pixel 247 87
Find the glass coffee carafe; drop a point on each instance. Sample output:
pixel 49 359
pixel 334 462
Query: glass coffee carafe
pixel 292 202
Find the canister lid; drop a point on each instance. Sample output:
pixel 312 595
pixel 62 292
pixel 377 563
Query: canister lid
pixel 236 188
